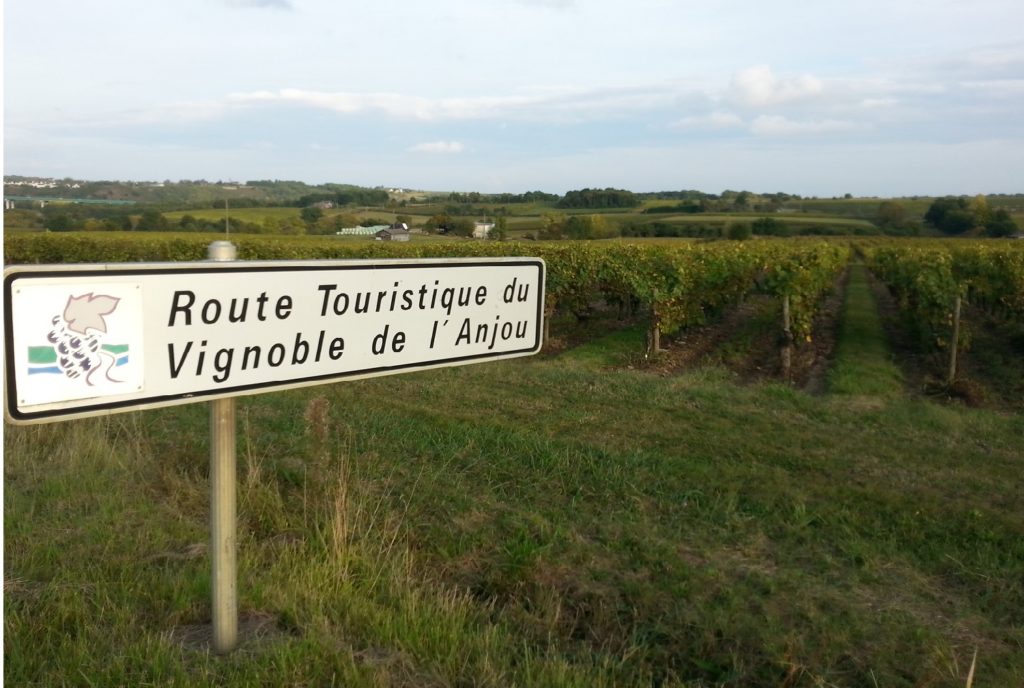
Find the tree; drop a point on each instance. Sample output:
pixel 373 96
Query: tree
pixel 437 223
pixel 979 209
pixel 587 227
pixel 311 214
pixel 890 215
pixel 769 226
pixel 599 198
pixel 59 223
pixel 577 227
pixel 152 221
pixel 739 231
pixel 344 221
pixel 552 226
pixel 188 223
pixel 500 231
pixel 940 207
pixel 1001 224
pixel 957 221
pixel 462 227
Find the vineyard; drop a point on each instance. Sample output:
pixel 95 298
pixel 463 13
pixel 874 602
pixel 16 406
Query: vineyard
pixel 604 514
pixel 671 286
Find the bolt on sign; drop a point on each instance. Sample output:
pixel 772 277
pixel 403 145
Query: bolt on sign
pixel 86 340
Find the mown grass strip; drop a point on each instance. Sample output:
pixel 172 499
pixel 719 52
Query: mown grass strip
pixel 863 364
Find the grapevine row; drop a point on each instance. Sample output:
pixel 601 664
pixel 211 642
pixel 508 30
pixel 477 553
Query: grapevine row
pixel 679 285
pixel 928 278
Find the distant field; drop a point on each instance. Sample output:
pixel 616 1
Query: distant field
pixel 715 218
pixel 243 214
pixel 525 219
pixel 258 215
pixel 862 208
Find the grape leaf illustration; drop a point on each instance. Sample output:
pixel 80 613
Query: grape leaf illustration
pixel 87 311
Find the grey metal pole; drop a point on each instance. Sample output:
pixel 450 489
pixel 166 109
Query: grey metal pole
pixel 223 507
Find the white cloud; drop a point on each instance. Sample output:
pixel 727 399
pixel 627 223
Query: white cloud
pixel 777 125
pixel 714 121
pixel 871 103
pixel 552 4
pixel 758 86
pixel 558 104
pixel 442 147
pixel 395 105
pixel 261 4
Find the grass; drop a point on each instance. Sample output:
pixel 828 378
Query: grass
pixel 721 218
pixel 257 215
pixel 544 521
pixel 863 362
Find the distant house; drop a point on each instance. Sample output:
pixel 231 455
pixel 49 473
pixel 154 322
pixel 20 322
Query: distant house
pixel 324 205
pixel 391 234
pixel 481 230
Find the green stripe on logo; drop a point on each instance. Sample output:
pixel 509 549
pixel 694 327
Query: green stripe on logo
pixel 42 354
pixel 39 355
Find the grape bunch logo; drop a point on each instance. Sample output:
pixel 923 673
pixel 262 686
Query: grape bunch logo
pixel 77 348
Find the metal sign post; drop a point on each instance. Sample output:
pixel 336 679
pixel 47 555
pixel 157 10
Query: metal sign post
pixel 223 507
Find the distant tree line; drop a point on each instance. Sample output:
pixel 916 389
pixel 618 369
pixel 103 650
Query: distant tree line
pixel 74 217
pixel 598 199
pixel 200 193
pixel 352 196
pixel 476 197
pixel 686 207
pixel 960 215
pixel 666 230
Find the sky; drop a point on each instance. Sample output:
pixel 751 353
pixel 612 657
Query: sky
pixel 823 98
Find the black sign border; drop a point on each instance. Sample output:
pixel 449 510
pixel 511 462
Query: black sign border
pixel 32 272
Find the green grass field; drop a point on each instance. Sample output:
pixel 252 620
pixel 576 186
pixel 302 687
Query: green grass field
pixel 724 218
pixel 564 520
pixel 257 215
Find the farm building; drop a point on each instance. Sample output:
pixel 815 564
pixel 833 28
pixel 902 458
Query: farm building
pixel 392 234
pixel 481 230
pixel 360 231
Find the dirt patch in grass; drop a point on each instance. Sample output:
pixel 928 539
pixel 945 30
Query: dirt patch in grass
pixel 255 630
pixel 743 339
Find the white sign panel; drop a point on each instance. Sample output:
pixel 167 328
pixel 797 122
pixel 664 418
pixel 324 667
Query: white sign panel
pixel 92 339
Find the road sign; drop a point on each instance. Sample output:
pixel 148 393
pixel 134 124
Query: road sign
pixel 95 339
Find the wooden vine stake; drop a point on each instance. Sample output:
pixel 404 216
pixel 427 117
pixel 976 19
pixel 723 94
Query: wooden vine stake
pixel 787 339
pixel 954 342
pixel 654 335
